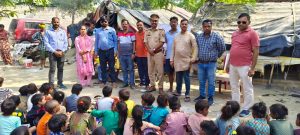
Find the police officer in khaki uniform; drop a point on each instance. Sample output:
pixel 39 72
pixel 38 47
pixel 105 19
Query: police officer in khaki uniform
pixel 154 40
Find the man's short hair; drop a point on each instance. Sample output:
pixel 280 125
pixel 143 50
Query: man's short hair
pixel 183 20
pixel 207 21
pixel 124 20
pixel 174 18
pixel 53 18
pixel 102 19
pixel 139 22
pixel 1 26
pixel 154 15
pixel 244 15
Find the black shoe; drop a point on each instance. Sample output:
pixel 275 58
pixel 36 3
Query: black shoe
pixel 198 98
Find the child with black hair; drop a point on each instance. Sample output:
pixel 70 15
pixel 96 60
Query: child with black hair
pixel 37 111
pixel 52 107
pixel 99 131
pixel 59 96
pixel 46 89
pixel 176 121
pixel 106 102
pixel 228 121
pixel 18 112
pixel 147 101
pixel 113 120
pixel 259 122
pixel 4 92
pixel 32 90
pixel 297 131
pixel 8 122
pixel 23 98
pixel 245 130
pixel 57 124
pixel 136 125
pixel 280 125
pixel 82 122
pixel 194 120
pixel 159 113
pixel 124 95
pixel 21 130
pixel 208 127
pixel 71 101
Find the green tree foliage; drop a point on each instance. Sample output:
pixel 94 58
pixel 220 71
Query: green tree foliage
pixel 74 7
pixel 190 5
pixel 6 6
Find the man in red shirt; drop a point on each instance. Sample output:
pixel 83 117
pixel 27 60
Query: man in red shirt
pixel 141 56
pixel 243 57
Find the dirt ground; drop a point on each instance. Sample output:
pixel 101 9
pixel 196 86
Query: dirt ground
pixel 16 76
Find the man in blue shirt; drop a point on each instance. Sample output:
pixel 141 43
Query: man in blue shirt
pixel 56 42
pixel 211 46
pixel 106 46
pixel 170 35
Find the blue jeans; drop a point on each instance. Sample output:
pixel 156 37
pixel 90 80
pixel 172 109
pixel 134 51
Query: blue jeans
pixel 206 72
pixel 127 69
pixel 107 56
pixel 180 75
pixel 99 73
pixel 143 70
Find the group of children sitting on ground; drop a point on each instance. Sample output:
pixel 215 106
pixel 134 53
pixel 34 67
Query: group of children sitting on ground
pixel 45 111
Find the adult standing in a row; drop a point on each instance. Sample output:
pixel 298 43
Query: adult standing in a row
pixel 84 57
pixel 211 46
pixel 106 46
pixel 56 44
pixel 4 46
pixel 170 35
pixel 141 55
pixel 243 57
pixel 154 40
pixel 184 53
pixel 126 45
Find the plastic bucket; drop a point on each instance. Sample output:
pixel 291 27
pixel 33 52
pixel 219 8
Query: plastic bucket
pixel 28 63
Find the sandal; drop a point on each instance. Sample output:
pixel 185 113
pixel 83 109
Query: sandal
pixel 187 99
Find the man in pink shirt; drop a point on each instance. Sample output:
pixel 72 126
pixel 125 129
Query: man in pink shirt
pixel 243 57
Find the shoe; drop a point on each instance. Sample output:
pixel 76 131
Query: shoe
pixel 102 85
pixel 187 99
pixel 210 101
pixel 61 86
pixel 151 88
pixel 198 98
pixel 245 113
pixel 114 85
pixel 176 94
pixel 132 87
pixel 124 85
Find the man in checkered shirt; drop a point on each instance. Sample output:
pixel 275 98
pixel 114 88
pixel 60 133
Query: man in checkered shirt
pixel 210 47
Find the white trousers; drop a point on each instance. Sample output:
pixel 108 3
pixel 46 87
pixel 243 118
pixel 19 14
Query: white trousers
pixel 240 73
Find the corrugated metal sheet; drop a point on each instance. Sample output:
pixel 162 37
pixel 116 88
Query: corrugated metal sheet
pixel 267 18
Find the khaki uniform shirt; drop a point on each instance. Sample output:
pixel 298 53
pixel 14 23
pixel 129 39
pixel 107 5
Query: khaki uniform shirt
pixel 184 51
pixel 153 37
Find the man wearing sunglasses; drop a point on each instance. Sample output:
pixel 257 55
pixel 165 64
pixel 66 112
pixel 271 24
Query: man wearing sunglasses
pixel 106 43
pixel 243 57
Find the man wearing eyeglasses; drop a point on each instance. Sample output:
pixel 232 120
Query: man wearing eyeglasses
pixel 106 42
pixel 154 40
pixel 210 47
pixel 243 57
